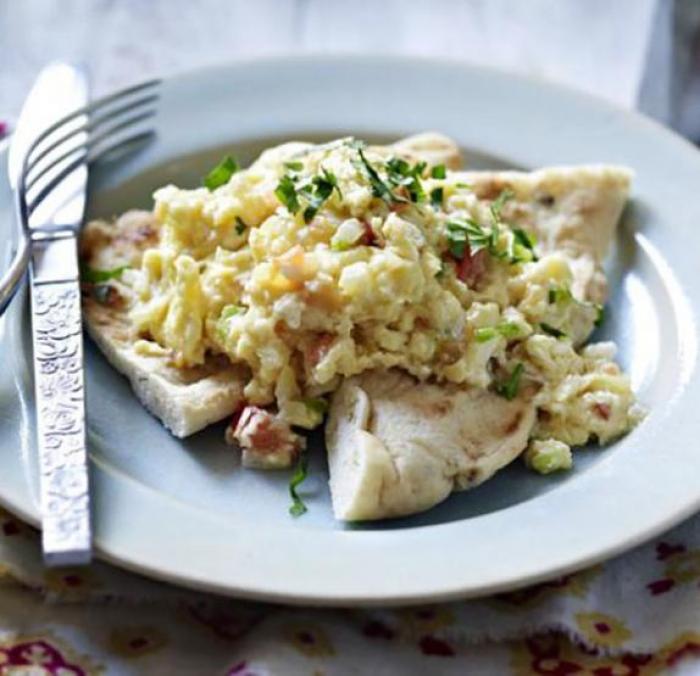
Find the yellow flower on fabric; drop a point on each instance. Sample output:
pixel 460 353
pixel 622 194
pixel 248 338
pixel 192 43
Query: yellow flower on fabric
pixel 310 640
pixel 136 641
pixel 684 567
pixel 602 630
pixel 425 619
pixel 70 583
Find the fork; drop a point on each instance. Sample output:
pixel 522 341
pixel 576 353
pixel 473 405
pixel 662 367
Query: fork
pixel 105 126
pixel 49 171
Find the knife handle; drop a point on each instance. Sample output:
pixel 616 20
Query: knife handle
pixel 59 386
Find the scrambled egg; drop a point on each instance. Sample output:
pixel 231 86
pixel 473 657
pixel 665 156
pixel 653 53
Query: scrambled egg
pixel 320 262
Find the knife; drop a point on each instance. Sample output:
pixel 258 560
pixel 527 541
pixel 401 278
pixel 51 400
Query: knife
pixel 56 323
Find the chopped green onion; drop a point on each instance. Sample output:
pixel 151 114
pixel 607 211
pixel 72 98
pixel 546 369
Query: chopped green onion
pixel 221 173
pixel 231 311
pixel 298 507
pixel 509 329
pixel 437 196
pixel 552 330
pixel 485 334
pixel 294 166
pixel 559 294
pixel 600 315
pixel 317 405
pixel 509 388
pixel 438 171
pixel 92 276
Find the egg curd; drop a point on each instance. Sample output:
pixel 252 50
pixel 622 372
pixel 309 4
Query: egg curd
pixel 321 262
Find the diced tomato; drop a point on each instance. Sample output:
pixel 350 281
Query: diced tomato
pixel 318 349
pixel 603 411
pixel 471 269
pixel 369 238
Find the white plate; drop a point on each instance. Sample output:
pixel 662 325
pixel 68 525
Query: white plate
pixel 183 511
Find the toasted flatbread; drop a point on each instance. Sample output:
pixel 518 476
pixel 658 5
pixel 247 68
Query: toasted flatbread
pixel 185 400
pixel 397 446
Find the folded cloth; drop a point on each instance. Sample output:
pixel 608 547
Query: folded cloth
pixel 636 614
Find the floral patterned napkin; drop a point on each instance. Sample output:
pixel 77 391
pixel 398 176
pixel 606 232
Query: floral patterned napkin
pixel 638 614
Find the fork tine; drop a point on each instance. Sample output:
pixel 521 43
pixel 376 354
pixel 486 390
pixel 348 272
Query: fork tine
pixel 89 109
pixel 89 126
pixel 92 142
pixel 83 157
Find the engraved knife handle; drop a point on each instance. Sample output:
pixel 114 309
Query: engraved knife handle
pixel 60 411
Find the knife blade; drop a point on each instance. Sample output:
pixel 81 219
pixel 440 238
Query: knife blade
pixel 56 324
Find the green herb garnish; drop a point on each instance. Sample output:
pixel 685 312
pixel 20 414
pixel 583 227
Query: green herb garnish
pixel 286 192
pixel 523 247
pixel 559 294
pixel 485 334
pixel 401 173
pixel 461 233
pixel 294 166
pixel 600 315
pixel 240 225
pixel 552 330
pixel 318 192
pixel 298 507
pixel 506 329
pixel 316 404
pixel 509 388
pixel 438 171
pixel 498 204
pixel 231 311
pixel 437 196
pixel 92 276
pixel 221 173
pixel 379 187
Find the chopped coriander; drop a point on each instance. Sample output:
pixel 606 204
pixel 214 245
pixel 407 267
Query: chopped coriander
pixel 317 405
pixel 294 166
pixel 437 196
pixel 298 507
pixel 463 233
pixel 318 192
pixel 523 247
pixel 600 315
pixel 240 225
pixel 466 186
pixel 509 387
pixel 401 173
pixel 485 334
pixel 438 171
pixel 552 330
pixel 379 187
pixel 221 173
pixel 498 204
pixel 92 276
pixel 286 192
